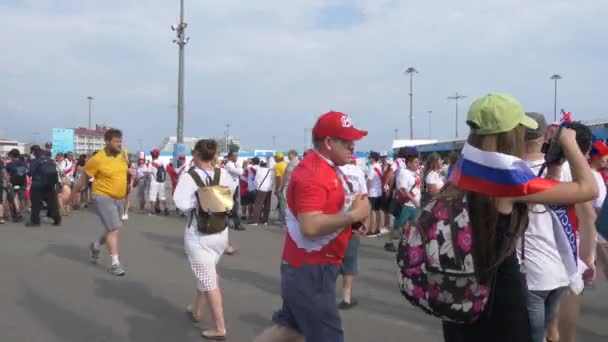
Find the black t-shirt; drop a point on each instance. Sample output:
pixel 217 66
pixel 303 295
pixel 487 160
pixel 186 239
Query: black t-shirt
pixel 17 170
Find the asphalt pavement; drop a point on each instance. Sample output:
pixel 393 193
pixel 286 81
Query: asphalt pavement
pixel 50 292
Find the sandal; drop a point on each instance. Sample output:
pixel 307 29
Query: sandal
pixel 194 318
pixel 209 335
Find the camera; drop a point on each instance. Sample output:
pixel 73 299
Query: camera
pixel 552 148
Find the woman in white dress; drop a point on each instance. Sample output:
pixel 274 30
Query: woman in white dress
pixel 203 250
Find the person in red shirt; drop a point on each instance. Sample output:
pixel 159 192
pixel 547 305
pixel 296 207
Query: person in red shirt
pixel 321 211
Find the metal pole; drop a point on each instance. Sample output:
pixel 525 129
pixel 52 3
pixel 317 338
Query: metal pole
pixel 227 136
pixel 396 133
pixel 456 116
pixel 430 124
pixel 411 106
pixel 90 98
pixel 456 98
pixel 274 142
pixel 555 102
pixel 181 41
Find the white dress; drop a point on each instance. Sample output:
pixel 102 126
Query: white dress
pixel 203 250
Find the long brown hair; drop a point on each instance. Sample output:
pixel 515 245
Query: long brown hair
pixel 483 214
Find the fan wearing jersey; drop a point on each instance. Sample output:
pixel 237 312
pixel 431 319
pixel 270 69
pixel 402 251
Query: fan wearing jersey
pixel 158 177
pixel 374 184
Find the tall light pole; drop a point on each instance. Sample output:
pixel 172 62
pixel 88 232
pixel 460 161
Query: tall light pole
pixel 90 98
pixel 274 142
pixel 396 133
pixel 411 71
pixel 181 41
pixel 430 112
pixel 456 98
pixel 227 137
pixel 555 78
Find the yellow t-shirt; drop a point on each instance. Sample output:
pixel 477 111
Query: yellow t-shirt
pixel 110 174
pixel 279 169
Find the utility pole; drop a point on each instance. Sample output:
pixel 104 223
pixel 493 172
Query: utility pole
pixel 274 142
pixel 456 98
pixel 227 137
pixel 396 133
pixel 411 71
pixel 555 78
pixel 90 98
pixel 430 124
pixel 181 41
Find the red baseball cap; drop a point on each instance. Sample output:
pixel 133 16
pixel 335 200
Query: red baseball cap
pixel 336 125
pixel 155 151
pixel 181 156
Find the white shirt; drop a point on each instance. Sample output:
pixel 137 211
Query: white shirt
pixel 356 177
pixel 409 181
pixel 253 169
pixel 262 182
pixel 433 177
pixel 153 171
pixel 234 171
pixel 374 175
pixel 543 264
pixel 184 195
pixel 601 190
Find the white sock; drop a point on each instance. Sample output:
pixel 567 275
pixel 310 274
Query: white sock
pixel 115 260
pixel 346 295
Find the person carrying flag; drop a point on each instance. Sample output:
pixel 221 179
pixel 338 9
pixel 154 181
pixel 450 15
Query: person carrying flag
pixel 498 186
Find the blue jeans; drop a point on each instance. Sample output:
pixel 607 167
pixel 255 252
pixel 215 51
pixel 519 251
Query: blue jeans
pixel 282 206
pixel 541 311
pixel 309 302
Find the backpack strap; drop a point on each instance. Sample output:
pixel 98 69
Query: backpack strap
pixel 216 176
pixel 197 179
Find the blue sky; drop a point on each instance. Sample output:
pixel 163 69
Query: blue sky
pixel 256 64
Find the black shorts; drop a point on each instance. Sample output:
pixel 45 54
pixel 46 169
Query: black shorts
pixel 248 198
pixel 375 203
pixel 385 203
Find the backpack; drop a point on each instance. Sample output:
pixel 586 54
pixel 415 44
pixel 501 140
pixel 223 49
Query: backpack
pixel 161 174
pixel 18 176
pixel 214 203
pixel 48 172
pixel 436 267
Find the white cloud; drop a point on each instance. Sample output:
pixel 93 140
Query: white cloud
pixel 258 63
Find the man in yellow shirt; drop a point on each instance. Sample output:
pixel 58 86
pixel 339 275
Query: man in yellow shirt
pixel 279 172
pixel 109 168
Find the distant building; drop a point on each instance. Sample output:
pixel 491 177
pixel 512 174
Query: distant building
pixel 168 143
pixel 87 141
pixel 8 144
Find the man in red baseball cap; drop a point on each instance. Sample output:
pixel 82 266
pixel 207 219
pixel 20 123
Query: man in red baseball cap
pixel 322 207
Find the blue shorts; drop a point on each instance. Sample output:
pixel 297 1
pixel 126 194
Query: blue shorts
pixel 406 215
pixel 350 263
pixel 309 302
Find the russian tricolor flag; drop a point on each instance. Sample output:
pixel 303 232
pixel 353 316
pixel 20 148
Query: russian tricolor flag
pixel 496 174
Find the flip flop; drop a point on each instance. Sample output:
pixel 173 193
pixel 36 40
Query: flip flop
pixel 190 314
pixel 206 335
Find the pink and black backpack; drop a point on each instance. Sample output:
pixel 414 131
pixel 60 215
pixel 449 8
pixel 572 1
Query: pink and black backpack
pixel 436 266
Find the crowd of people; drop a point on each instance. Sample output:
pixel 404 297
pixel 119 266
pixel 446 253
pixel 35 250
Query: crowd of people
pixel 490 210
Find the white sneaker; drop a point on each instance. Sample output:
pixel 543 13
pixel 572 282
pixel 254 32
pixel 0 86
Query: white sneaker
pixel 125 217
pixel 384 230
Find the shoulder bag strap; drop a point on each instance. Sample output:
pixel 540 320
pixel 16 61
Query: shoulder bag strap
pixel 262 182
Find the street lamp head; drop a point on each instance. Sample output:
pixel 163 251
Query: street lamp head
pixel 556 77
pixel 90 98
pixel 410 70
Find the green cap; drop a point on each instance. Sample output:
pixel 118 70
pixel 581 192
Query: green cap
pixel 497 113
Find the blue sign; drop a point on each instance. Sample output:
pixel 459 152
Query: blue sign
pixel 63 140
